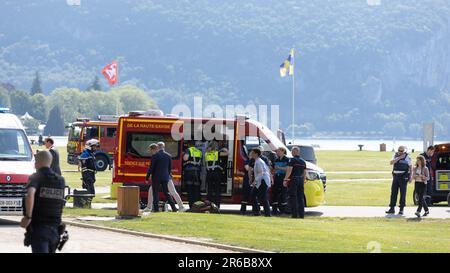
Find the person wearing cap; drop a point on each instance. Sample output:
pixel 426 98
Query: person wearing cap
pixel 87 163
pixel 279 165
pixel 401 176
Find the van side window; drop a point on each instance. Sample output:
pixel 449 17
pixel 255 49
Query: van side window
pixel 91 132
pixel 110 131
pixel 137 143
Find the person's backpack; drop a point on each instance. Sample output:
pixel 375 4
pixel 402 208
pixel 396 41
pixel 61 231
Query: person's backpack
pixel 204 206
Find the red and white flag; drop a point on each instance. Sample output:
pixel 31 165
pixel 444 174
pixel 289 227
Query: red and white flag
pixel 111 73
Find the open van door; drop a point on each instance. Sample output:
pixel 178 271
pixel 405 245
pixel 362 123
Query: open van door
pixel 280 135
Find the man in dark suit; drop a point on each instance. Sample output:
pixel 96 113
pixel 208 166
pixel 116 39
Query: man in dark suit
pixel 49 144
pixel 160 172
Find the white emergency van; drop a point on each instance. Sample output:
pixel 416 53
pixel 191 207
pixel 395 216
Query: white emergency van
pixel 16 163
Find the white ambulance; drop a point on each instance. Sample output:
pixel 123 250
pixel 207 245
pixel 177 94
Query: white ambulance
pixel 16 163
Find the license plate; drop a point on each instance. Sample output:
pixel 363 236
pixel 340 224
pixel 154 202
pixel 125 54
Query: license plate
pixel 10 202
pixel 443 186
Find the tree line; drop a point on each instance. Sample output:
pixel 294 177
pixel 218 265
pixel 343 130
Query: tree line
pixel 63 105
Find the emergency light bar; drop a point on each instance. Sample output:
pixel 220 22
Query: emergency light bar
pixel 82 119
pixel 4 110
pixel 107 117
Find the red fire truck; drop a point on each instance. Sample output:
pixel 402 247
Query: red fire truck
pixel 103 129
pixel 136 131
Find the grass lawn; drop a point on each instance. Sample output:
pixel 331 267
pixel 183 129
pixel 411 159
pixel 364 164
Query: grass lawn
pixel 292 235
pixel 347 192
pixel 355 160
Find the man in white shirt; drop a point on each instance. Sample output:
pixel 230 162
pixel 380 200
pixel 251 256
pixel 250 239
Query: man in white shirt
pixel 261 183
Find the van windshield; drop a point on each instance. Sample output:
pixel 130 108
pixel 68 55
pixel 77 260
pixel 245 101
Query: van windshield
pixel 14 145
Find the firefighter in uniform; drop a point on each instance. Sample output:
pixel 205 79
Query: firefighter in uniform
pixel 296 187
pixel 88 167
pixel 213 172
pixel 401 175
pixel 44 204
pixel 192 162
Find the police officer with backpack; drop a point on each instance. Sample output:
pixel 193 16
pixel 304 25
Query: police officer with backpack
pixel 44 204
pixel 192 161
pixel 88 167
pixel 401 176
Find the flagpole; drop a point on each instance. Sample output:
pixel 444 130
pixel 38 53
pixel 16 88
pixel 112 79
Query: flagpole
pixel 293 94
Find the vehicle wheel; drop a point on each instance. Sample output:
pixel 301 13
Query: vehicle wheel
pixel 101 162
pixel 415 198
pixel 448 199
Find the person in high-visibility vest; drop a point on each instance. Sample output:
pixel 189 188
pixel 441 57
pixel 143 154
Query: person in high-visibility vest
pixel 214 172
pixel 192 163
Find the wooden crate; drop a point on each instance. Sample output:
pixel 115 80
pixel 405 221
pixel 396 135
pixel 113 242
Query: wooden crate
pixel 128 201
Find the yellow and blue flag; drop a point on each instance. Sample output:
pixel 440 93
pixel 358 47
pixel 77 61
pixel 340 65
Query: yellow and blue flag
pixel 288 65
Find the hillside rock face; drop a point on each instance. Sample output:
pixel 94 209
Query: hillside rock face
pixel 382 69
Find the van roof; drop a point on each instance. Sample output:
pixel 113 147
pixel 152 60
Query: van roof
pixel 10 121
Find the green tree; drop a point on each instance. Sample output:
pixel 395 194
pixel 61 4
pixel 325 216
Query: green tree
pixel 95 85
pixel 55 124
pixel 36 86
pixel 38 109
pixel 20 102
pixel 133 98
pixel 4 98
pixel 71 102
pixel 31 126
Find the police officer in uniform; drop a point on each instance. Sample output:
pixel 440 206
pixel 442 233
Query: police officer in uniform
pixel 296 172
pixel 279 190
pixel 401 176
pixel 192 162
pixel 213 172
pixel 88 167
pixel 44 204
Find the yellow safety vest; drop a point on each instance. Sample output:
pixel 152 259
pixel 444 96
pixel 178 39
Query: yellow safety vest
pixel 212 160
pixel 195 156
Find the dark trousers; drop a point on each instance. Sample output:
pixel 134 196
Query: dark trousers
pixel 297 197
pixel 88 181
pixel 246 193
pixel 399 182
pixel 259 195
pixel 420 191
pixel 165 190
pixel 214 179
pixel 278 194
pixel 192 182
pixel 44 239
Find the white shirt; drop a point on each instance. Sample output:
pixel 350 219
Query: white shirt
pixel 261 172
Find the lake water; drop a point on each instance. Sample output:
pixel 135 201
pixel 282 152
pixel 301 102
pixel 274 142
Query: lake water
pixel 326 144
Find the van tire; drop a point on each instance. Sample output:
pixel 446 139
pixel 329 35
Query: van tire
pixel 101 162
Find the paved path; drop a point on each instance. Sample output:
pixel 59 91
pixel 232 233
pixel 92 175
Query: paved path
pixel 93 241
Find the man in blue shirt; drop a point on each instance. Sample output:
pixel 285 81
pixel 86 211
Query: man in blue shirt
pixel 296 170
